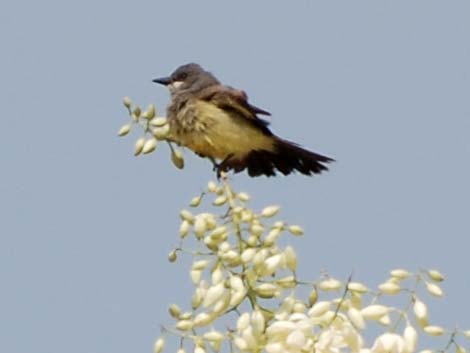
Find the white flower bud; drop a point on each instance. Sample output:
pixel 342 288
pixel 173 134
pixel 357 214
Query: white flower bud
pixel 400 273
pixel 256 230
pixel 149 146
pixel 275 348
pixel 127 102
pixel 271 264
pixel 150 113
pixel 374 312
pixel 222 304
pixel 356 318
pixel 319 309
pixel 181 350
pixel 330 284
pixel 388 342
pixel 159 344
pixel 211 186
pixel 202 319
pixel 213 294
pixel 385 320
pixel 240 343
pixel 243 322
pixel 247 255
pixel 161 133
pixel 466 333
pixel 313 297
pixel 174 310
pixel 172 256
pixel 199 349
pixel 266 290
pixel 196 299
pixel 272 236
pixel 213 335
pixel 236 284
pixel 219 201
pixel 434 289
pixel 139 145
pixel 186 315
pixel 243 196
pixel 287 282
pixel 270 211
pixel 137 112
pixel 421 312
pixel 434 330
pixel 177 159
pixel 217 275
pixel 291 258
pixel 357 287
pixel 411 337
pixel 200 226
pixel 200 265
pixel 390 288
pixel 196 276
pixel 184 229
pixel 124 130
pixel 295 340
pixel 280 329
pixel 158 121
pixel 196 201
pixel 436 275
pixel 186 216
pixel 259 257
pixel 184 325
pixel 295 230
pixel 257 322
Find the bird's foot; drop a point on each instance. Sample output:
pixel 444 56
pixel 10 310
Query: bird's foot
pixel 221 167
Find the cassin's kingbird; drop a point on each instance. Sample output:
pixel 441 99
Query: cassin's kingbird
pixel 217 122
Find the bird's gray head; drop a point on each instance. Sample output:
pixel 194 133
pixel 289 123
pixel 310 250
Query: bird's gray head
pixel 189 77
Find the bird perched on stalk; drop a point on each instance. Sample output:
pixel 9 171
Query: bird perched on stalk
pixel 217 122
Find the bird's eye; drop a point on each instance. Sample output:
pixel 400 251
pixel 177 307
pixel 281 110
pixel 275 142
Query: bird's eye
pixel 182 76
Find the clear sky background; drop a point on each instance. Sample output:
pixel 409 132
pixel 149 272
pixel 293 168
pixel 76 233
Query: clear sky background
pixel 381 86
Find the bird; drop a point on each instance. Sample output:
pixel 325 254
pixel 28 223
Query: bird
pixel 218 122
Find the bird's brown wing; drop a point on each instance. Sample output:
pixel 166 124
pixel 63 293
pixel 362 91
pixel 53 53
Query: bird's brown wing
pixel 231 99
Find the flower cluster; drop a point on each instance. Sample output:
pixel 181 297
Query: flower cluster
pixel 240 270
pixel 246 284
pixel 155 129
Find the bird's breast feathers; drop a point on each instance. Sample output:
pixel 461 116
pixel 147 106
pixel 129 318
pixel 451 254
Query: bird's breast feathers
pixel 214 132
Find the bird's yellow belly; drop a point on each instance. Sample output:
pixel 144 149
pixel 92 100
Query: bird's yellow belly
pixel 212 132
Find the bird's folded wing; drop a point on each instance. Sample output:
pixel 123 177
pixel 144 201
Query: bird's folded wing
pixel 231 99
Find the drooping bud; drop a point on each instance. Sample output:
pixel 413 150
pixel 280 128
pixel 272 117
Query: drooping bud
pixel 172 256
pixel 159 344
pixel 149 146
pixel 177 159
pixel 139 145
pixel 127 102
pixel 124 130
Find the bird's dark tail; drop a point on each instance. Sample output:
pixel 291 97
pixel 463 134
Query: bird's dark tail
pixel 286 157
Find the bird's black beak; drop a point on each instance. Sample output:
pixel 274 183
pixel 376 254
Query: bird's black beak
pixel 163 81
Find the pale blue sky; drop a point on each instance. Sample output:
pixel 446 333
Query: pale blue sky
pixel 382 86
